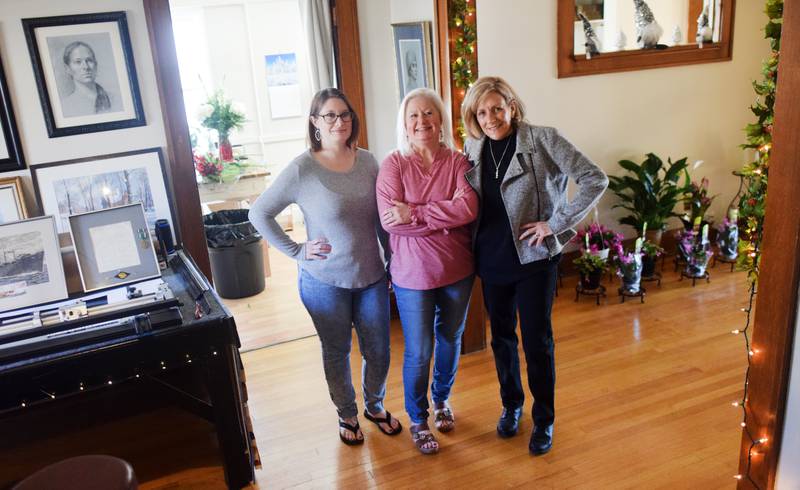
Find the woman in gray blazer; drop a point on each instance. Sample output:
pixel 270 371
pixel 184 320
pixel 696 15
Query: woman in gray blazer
pixel 520 172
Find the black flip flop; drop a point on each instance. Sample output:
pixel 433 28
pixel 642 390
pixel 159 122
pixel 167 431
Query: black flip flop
pixel 352 428
pixel 385 420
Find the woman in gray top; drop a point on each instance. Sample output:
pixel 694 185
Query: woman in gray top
pixel 520 172
pixel 342 278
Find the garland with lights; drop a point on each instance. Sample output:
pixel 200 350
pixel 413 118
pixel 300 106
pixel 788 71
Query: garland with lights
pixel 463 37
pixel 753 202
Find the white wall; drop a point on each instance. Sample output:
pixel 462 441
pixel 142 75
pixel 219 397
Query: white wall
pixel 788 477
pixel 377 57
pixel 36 145
pixel 696 111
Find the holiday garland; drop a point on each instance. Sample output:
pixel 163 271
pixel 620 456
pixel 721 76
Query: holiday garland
pixel 759 138
pixel 752 205
pixel 464 36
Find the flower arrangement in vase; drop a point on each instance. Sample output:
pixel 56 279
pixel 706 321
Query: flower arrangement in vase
pixel 209 167
pixel 591 268
pixel 222 115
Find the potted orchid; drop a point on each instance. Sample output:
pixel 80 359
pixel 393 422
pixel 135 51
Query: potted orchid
pixel 591 268
pixel 650 252
pixel 696 250
pixel 696 202
pixel 629 267
pixel 598 240
pixel 728 238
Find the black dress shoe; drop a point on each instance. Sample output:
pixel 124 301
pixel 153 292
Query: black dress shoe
pixel 541 440
pixel 509 422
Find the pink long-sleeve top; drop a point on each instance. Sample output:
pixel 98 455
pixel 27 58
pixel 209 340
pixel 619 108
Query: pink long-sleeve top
pixel 435 249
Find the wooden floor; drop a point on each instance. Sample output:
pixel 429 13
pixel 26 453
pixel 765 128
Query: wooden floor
pixel 275 315
pixel 643 400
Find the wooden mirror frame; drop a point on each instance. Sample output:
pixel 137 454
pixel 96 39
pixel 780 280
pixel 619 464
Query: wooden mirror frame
pixel 570 65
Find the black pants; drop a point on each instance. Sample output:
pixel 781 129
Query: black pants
pixel 533 298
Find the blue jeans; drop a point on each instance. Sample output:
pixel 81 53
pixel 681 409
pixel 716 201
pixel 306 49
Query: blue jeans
pixel 427 314
pixel 335 311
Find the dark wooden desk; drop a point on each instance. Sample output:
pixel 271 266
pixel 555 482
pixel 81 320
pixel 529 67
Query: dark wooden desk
pixel 194 364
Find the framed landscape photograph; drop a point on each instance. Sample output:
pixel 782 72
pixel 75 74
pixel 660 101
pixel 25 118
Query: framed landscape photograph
pixel 84 72
pixel 10 146
pixel 12 204
pixel 113 247
pixel 91 184
pixel 31 270
pixel 413 56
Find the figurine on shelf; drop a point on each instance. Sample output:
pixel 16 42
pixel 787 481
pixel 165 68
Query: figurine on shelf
pixel 621 41
pixel 704 31
pixel 677 35
pixel 648 31
pixel 592 42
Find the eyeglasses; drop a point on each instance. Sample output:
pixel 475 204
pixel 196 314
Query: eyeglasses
pixel 331 117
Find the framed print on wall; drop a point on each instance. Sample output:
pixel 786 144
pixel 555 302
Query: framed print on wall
pixel 10 147
pixel 85 72
pixel 113 247
pixel 413 56
pixel 94 183
pixel 12 204
pixel 31 270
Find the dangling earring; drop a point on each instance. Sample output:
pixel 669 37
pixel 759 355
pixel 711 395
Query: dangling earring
pixel 317 135
pixel 441 135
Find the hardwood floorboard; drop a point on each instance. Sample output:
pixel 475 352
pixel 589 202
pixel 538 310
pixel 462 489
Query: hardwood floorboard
pixel 643 400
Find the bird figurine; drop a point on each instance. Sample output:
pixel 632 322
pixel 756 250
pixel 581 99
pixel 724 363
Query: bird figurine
pixel 592 42
pixel 648 32
pixel 704 31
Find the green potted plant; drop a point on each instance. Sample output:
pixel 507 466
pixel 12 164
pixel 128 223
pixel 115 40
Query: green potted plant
pixel 591 268
pixel 650 252
pixel 696 202
pixel 649 192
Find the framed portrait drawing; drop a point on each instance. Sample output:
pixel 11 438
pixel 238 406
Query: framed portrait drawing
pixel 94 183
pixel 413 54
pixel 12 204
pixel 113 247
pixel 10 147
pixel 85 72
pixel 31 270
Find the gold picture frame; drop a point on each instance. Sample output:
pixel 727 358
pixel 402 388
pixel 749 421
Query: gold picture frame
pixel 12 200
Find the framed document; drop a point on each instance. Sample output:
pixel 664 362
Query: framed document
pixel 113 247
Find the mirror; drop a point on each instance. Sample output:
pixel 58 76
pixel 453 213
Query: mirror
pixel 601 36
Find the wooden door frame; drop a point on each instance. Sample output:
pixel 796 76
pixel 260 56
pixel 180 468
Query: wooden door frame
pixel 776 302
pixel 180 164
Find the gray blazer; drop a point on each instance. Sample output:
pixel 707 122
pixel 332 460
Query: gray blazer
pixel 534 187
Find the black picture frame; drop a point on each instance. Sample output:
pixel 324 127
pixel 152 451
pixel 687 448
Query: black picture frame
pixel 8 129
pixel 107 42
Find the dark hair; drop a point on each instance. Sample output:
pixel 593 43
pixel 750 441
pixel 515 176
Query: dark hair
pixel 72 46
pixel 316 104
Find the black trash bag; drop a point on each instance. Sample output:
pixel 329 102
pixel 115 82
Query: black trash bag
pixel 229 228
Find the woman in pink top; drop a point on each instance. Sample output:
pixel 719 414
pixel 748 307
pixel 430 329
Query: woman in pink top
pixel 426 205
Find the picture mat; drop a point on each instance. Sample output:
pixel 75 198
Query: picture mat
pixel 46 178
pixel 85 253
pixel 77 30
pixel 114 246
pixel 27 278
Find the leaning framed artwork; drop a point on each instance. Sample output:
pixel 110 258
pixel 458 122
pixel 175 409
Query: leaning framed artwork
pixel 84 72
pixel 413 56
pixel 31 270
pixel 12 204
pixel 10 146
pixel 91 184
pixel 113 247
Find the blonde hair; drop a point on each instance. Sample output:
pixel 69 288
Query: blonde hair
pixel 447 130
pixel 482 87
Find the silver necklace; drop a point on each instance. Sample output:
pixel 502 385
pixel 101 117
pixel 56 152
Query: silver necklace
pixel 497 165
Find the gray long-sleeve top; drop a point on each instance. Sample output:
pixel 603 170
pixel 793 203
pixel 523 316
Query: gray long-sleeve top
pixel 338 206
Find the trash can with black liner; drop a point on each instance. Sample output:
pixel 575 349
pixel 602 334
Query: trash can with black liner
pixel 234 248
